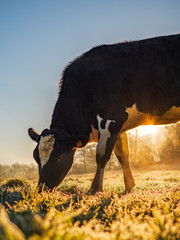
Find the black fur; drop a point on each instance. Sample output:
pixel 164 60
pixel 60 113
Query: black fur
pixel 109 78
pixel 106 81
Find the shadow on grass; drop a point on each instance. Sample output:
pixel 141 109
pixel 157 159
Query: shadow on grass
pixel 12 190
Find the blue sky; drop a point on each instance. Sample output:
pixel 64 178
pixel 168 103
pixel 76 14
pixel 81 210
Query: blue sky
pixel 39 38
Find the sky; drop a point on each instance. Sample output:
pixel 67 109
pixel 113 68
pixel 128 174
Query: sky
pixel 39 38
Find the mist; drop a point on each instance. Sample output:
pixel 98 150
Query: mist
pixel 160 144
pixel 147 148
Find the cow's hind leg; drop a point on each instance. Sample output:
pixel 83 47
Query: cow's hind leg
pixel 122 153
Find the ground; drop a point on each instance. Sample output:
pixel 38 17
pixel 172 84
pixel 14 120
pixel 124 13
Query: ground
pixel 150 211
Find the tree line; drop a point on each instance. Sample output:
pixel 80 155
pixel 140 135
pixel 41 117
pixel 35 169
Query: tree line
pixel 162 146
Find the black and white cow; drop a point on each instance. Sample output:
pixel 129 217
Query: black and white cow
pixel 103 93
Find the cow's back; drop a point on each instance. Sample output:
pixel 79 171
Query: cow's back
pixel 110 79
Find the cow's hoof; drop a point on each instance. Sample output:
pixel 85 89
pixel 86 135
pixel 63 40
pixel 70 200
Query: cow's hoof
pixel 129 187
pixel 93 191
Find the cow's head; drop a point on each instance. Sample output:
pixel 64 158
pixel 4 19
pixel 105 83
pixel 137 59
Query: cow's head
pixel 54 154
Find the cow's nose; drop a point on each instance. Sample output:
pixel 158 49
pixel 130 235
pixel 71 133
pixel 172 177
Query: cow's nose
pixel 42 187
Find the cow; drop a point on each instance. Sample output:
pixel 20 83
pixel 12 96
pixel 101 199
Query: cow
pixel 103 93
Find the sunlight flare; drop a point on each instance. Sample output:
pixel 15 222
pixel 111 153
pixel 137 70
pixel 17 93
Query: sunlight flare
pixel 147 129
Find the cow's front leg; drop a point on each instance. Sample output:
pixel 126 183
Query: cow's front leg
pixel 122 153
pixel 97 184
pixel 108 132
pixel 102 158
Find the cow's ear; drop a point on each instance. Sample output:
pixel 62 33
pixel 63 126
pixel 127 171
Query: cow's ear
pixel 34 135
pixel 79 141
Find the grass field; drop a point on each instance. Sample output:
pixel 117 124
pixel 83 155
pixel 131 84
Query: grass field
pixel 151 211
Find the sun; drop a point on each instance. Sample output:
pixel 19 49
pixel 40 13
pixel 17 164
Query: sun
pixel 145 130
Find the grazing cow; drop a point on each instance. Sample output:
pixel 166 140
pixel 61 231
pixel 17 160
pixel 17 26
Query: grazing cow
pixel 103 93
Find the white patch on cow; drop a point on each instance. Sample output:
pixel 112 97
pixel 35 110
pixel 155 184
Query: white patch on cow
pixel 136 118
pixel 104 135
pixel 45 148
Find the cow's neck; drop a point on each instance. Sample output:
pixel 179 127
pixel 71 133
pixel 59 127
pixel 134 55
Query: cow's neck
pixel 67 114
